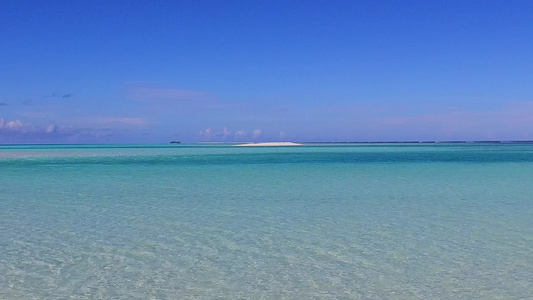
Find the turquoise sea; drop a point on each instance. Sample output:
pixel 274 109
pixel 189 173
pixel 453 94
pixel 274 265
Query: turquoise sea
pixel 333 221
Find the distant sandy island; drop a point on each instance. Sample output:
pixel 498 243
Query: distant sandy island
pixel 269 144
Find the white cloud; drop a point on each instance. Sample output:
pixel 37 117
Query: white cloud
pixel 226 132
pixel 206 132
pixel 99 122
pixel 240 133
pixel 51 128
pixel 257 133
pixel 17 124
pixel 282 135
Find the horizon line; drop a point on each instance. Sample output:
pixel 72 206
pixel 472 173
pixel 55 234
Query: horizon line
pixel 329 142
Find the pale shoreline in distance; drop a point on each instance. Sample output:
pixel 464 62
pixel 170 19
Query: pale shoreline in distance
pixel 269 144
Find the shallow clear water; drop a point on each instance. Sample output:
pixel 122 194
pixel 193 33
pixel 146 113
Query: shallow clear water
pixel 220 222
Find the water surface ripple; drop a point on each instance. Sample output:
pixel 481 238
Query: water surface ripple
pixel 222 222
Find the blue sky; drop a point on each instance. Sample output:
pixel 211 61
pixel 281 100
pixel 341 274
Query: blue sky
pixel 155 71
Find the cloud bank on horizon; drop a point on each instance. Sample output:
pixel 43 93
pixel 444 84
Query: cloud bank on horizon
pixel 213 71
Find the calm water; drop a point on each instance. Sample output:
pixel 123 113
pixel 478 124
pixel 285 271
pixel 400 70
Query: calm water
pixel 221 222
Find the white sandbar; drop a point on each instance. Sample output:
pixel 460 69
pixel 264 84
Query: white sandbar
pixel 269 144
